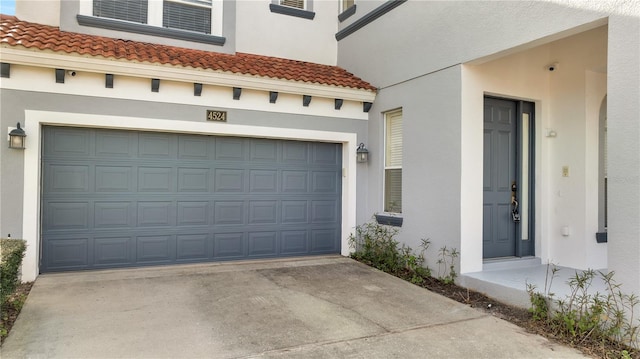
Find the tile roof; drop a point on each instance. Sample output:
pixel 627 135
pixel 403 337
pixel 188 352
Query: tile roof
pixel 15 32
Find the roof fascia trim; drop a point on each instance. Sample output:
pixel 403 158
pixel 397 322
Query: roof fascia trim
pixel 50 59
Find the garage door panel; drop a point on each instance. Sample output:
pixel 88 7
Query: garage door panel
pixel 115 144
pixel 263 212
pixel 263 151
pixel 295 153
pixel 323 240
pixel 295 211
pixel 192 213
pixel 263 244
pixel 193 180
pixel 68 142
pixel 324 182
pixel 157 145
pixel 156 179
pixel 113 215
pixel 230 149
pixel 67 178
pixel 229 212
pixel 157 213
pixel 324 211
pixel 124 198
pixel 112 251
pixel 229 180
pixel 229 245
pixel 193 147
pixel 156 249
pixel 325 154
pixel 294 242
pixel 295 181
pixel 114 179
pixel 68 252
pixel 263 181
pixel 192 246
pixel 67 215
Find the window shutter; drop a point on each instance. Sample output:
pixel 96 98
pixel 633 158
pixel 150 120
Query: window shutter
pixel 394 140
pixel 180 15
pixel 128 10
pixel 293 3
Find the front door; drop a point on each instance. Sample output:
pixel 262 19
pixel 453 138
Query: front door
pixel 508 183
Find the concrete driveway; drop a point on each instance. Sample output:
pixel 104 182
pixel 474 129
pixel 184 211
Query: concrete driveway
pixel 323 307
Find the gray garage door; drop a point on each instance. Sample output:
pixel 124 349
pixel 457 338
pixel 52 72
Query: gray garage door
pixel 124 198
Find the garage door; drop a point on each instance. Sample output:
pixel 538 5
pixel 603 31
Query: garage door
pixel 125 198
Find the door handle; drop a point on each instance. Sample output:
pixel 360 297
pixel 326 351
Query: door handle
pixel 515 215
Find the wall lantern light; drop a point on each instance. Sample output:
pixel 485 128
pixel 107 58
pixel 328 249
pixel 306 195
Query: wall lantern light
pixel 362 154
pixel 16 138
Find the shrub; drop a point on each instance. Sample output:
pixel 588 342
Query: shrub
pixel 375 245
pixel 11 254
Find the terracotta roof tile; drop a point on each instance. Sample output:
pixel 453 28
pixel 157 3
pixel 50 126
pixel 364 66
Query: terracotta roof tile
pixel 15 32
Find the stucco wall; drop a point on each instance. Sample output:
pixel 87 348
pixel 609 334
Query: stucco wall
pixel 261 31
pixel 623 105
pixel 431 167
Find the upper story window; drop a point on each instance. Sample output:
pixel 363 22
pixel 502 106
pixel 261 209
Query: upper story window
pixel 298 4
pixel 128 10
pixel 345 4
pixel 393 162
pixel 190 15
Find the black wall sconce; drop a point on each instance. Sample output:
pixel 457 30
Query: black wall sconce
pixel 362 154
pixel 155 85
pixel 338 103
pixel 17 137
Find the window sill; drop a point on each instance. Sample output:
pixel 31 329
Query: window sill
pixel 292 11
pixel 601 237
pixel 347 13
pixel 113 24
pixel 389 220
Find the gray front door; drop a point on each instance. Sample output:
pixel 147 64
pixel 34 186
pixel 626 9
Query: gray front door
pixel 499 228
pixel 115 198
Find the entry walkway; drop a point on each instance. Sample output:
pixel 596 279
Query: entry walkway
pixel 506 280
pixel 328 307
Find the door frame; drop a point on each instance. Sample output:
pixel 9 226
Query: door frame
pixel 526 247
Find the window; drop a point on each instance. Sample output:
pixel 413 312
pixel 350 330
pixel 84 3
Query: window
pixel 346 4
pixel 128 10
pixel 393 162
pixel 192 15
pixel 298 4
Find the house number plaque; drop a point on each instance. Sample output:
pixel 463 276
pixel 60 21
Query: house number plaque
pixel 219 116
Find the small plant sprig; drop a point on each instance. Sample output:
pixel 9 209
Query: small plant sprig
pixel 583 315
pixel 446 264
pixel 375 245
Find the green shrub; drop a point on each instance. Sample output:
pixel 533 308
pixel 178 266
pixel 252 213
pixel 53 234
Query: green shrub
pixel 11 254
pixel 375 245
